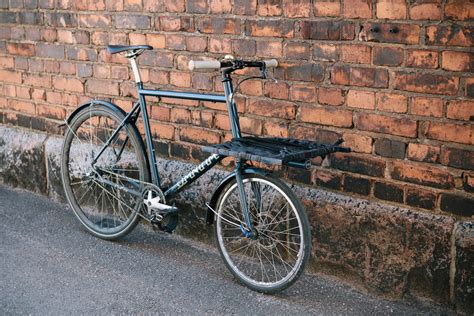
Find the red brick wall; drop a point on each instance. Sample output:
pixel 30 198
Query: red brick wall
pixel 394 78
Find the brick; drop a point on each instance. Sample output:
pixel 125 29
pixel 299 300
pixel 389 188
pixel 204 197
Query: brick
pixel 196 44
pixel 175 24
pixel 180 79
pixel 21 63
pixel 359 76
pixel 276 90
pixel 10 76
pixel 244 47
pixel 175 42
pixel 22 106
pixel 197 6
pixel 357 9
pixel 452 35
pixel 202 81
pixel 23 92
pixel 469 89
pixel 458 61
pixel 275 129
pixel 459 10
pixel 422 152
pixel 428 176
pixel 68 84
pixel 220 6
pixel 457 204
pixel 460 110
pixel 390 148
pixel 458 158
pixel 426 83
pixel 305 72
pixel 61 19
pixel 43 81
pixel 327 30
pixel 244 7
pixel 297 8
pixel 137 39
pixel 134 22
pixel 272 108
pixel 356 185
pixel 180 151
pixel 326 116
pixel 391 33
pixel 272 49
pixel 95 20
pixel 327 8
pixel 425 11
pixel 359 54
pixel 329 179
pixel 303 92
pixel 391 9
pixel 269 8
pixel 218 25
pixel 199 135
pixel 388 192
pixel 358 143
pixel 450 132
pixel 468 183
pixel 388 56
pixel 7 62
pixel 358 164
pixel 361 99
pixel 422 59
pixel 67 68
pixel 180 116
pixel 427 106
pixel 51 111
pixel 251 87
pixel 21 49
pixel 386 124
pixel 296 50
pixel 325 52
pixel 119 72
pixel 421 198
pixel 330 96
pixel 83 54
pixel 112 5
pixel 251 126
pixel 156 40
pixel 132 5
pixel 221 121
pixel 392 102
pixel 50 50
pixel 92 5
pixel 162 131
pixel 171 6
pixel 220 45
pixel 106 87
pixel 8 17
pixel 269 28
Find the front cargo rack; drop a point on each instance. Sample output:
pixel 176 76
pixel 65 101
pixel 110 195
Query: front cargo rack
pixel 276 151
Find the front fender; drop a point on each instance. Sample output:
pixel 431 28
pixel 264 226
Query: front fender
pixel 217 192
pixel 108 104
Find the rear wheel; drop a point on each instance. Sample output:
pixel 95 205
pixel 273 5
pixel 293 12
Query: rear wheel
pixel 276 257
pixel 100 194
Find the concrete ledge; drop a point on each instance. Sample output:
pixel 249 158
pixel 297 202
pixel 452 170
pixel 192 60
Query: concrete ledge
pixel 389 250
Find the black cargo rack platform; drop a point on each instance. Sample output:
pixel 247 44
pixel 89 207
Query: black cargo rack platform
pixel 279 151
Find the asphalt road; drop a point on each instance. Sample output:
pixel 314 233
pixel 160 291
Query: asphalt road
pixel 50 265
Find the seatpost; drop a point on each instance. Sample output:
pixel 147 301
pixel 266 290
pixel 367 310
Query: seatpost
pixel 230 101
pixel 136 72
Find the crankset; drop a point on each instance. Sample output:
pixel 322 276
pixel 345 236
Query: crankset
pixel 164 216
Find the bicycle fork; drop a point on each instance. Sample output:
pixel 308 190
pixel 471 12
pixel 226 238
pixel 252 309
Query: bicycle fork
pixel 248 231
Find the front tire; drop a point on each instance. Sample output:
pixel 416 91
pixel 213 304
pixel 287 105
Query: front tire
pixel 278 255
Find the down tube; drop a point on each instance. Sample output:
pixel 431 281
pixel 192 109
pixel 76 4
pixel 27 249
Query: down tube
pixel 194 174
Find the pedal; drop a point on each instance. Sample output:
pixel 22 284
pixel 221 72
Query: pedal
pixel 168 221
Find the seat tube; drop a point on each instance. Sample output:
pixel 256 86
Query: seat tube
pixel 231 106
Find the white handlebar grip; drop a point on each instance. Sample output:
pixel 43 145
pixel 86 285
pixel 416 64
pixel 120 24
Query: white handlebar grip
pixel 204 64
pixel 271 63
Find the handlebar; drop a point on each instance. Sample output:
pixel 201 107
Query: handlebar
pixel 217 64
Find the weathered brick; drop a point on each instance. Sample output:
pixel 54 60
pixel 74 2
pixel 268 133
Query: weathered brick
pixel 356 185
pixel 50 50
pixel 426 83
pixel 450 132
pixel 326 116
pixel 388 56
pixel 33 18
pixel 361 99
pixel 68 84
pixel 327 30
pixel 202 81
pixel 427 106
pixel 162 131
pixel 392 102
pixel 458 61
pixel 61 19
pixel 366 165
pixel 389 192
pixel 330 96
pixel 106 87
pixel 452 35
pixel 83 54
pixel 418 174
pixel 390 148
pixel 457 158
pixel 244 47
pixel 276 90
pixel 199 135
pixel 8 17
pixel 357 9
pixel 386 124
pixel 392 9
pixel 422 59
pixel 253 126
pixel 358 143
pixel 132 22
pixel 327 8
pixel 97 5
pixel 43 81
pixel 359 76
pixel 175 42
pixel 220 6
pixel 197 6
pixel 325 52
pixel 244 7
pixel 296 50
pixel 275 129
pixel 21 49
pixel 421 198
pixel 218 25
pixel 297 8
pixel 220 45
pixel 6 62
pixel 305 72
pixel 272 49
pixel 51 111
pixel 459 10
pixel 359 54
pixel 391 33
pixel 468 182
pixel 422 152
pixel 95 20
pixel 272 108
pixel 303 92
pixel 270 28
pixel 460 110
pixel 425 11
pixel 22 106
pixel 329 179
pixel 457 204
pixel 269 8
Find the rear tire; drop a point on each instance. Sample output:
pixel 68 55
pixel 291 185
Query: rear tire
pixel 107 211
pixel 277 257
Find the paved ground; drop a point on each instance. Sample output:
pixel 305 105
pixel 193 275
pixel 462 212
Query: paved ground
pixel 50 265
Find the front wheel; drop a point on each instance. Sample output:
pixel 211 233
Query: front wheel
pixel 275 258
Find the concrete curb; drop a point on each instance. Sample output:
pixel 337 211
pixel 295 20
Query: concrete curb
pixel 390 250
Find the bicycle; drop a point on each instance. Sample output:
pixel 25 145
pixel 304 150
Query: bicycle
pixel 111 180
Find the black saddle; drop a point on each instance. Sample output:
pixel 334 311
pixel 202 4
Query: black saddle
pixel 114 49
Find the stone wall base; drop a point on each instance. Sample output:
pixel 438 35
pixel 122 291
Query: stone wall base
pixel 389 250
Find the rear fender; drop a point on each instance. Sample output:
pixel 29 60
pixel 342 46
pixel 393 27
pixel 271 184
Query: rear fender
pixel 220 188
pixel 107 104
